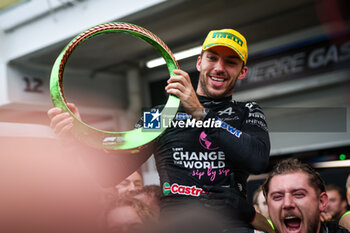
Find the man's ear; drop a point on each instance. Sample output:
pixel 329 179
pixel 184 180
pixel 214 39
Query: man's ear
pixel 198 64
pixel 243 73
pixel 344 204
pixel 256 208
pixel 323 201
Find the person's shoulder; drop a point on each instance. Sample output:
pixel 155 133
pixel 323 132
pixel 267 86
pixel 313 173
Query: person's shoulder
pixel 346 213
pixel 250 106
pixel 344 221
pixel 334 227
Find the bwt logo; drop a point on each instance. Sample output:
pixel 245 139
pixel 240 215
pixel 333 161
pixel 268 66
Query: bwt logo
pixel 152 120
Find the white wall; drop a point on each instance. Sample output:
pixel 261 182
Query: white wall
pixel 39 24
pixel 3 77
pixel 49 26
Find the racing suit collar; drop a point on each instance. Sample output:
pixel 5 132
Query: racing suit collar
pixel 208 99
pixel 323 228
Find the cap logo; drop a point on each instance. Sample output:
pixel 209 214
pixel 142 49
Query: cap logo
pixel 229 36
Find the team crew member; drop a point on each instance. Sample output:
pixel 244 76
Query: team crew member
pixel 197 162
pixel 296 196
pixel 345 218
pixel 132 183
pixel 336 202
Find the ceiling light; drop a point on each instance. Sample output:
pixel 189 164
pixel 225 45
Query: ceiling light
pixel 178 56
pixel 341 163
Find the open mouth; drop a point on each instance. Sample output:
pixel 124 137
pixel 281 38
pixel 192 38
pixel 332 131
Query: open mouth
pixel 292 223
pixel 217 82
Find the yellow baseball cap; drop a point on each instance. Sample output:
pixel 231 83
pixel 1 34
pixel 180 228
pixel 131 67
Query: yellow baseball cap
pixel 229 38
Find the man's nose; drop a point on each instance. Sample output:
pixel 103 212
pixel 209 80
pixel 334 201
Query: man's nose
pixel 288 202
pixel 131 186
pixel 219 66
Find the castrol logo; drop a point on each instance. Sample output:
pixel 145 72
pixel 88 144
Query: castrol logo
pixel 182 189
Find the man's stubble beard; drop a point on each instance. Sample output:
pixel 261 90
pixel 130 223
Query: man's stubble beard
pixel 208 94
pixel 312 227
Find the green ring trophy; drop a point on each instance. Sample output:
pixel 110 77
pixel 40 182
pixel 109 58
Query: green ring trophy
pixel 131 140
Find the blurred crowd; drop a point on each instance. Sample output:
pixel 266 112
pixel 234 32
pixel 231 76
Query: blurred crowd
pixel 286 200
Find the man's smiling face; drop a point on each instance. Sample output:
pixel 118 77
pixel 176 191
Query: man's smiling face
pixel 294 205
pixel 219 68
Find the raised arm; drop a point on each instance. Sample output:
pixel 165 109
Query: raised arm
pixel 247 147
pixel 109 167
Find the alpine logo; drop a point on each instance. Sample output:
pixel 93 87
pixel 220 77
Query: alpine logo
pixel 182 190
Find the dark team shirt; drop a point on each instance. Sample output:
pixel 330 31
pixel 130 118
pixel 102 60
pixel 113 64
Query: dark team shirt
pixel 233 138
pixel 332 227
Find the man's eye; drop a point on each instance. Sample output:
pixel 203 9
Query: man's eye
pixel 299 195
pixel 277 197
pixel 123 183
pixel 212 58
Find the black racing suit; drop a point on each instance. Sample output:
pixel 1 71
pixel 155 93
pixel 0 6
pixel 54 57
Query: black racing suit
pixel 189 157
